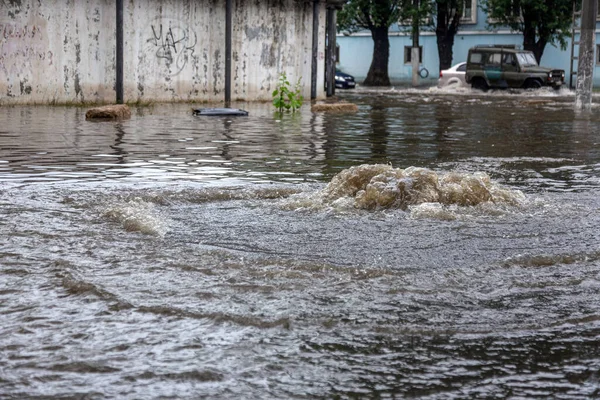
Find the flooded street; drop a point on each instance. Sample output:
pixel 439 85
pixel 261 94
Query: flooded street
pixel 433 245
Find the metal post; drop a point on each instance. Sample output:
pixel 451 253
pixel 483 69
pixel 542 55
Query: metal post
pixel 228 31
pixel 330 64
pixel 119 66
pixel 315 50
pixel 585 63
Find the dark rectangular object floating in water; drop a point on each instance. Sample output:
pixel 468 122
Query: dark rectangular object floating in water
pixel 219 111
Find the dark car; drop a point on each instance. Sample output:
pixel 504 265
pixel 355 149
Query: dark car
pixel 344 81
pixel 505 66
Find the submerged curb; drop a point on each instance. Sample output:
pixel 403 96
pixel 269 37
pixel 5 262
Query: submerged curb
pixel 111 112
pixel 334 107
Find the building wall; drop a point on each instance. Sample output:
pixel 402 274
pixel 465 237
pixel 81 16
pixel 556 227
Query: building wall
pixel 174 50
pixel 269 39
pixel 56 51
pixel 469 35
pixel 62 51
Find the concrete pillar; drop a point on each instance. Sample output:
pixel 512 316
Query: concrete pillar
pixel 414 58
pixel 586 61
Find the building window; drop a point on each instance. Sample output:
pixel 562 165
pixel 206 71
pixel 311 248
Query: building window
pixel 469 15
pixel 337 53
pixel 598 54
pixel 408 54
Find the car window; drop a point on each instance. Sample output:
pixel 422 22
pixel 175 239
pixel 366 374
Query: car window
pixel 475 58
pixel 508 58
pixel 527 59
pixel 494 58
pixel 462 68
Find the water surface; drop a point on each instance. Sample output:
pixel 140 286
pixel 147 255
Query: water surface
pixel 173 256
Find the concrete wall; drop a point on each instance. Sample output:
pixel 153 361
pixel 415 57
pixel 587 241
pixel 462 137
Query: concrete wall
pixel 400 73
pixel 62 51
pixel 271 37
pixel 174 50
pixel 55 51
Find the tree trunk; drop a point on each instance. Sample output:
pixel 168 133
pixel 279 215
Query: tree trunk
pixel 378 72
pixel 446 28
pixel 530 44
pixel 445 44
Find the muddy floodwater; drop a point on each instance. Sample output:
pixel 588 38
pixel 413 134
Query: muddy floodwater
pixel 433 245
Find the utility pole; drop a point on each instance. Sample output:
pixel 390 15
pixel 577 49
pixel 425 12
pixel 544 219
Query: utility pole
pixel 228 35
pixel 331 39
pixel 585 63
pixel 119 59
pixel 315 51
pixel 414 51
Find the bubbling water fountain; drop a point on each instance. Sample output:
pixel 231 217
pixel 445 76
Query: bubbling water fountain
pixel 380 186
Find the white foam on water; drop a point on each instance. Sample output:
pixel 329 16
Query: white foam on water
pixel 433 211
pixel 137 215
pixel 544 92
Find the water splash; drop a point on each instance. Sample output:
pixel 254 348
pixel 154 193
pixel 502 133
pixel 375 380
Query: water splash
pixel 382 186
pixel 421 191
pixel 137 215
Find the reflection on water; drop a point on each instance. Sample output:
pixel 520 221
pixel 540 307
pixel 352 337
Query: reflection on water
pixel 167 142
pixel 433 245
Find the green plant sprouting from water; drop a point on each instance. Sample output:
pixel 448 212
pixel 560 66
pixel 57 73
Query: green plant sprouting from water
pixel 286 97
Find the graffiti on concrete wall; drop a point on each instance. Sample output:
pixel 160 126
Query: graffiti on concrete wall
pixel 173 44
pixel 24 42
pixel 19 31
pixel 23 50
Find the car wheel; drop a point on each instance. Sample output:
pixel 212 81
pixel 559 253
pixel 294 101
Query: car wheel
pixel 533 84
pixel 479 84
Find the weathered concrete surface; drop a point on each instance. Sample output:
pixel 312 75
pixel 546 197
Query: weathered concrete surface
pixel 56 51
pixel 269 39
pixel 585 61
pixel 63 51
pixel 116 111
pixel 174 50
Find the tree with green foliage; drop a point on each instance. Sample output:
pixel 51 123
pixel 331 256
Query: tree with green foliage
pixel 376 16
pixel 448 14
pixel 540 21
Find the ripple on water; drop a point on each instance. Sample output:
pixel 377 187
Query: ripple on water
pixel 438 281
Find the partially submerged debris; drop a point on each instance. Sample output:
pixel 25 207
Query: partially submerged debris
pixel 220 111
pixel 110 112
pixel 334 107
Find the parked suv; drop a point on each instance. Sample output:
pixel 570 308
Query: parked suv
pixel 505 66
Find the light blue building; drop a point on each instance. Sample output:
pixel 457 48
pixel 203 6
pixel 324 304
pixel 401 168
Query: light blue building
pixel 356 50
